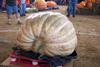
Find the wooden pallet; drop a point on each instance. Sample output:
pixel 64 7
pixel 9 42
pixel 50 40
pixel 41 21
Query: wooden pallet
pixel 6 63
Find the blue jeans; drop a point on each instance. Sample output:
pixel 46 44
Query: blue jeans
pixel 71 9
pixel 0 5
pixel 11 9
pixel 22 9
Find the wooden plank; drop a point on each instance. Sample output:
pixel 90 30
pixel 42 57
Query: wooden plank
pixel 7 63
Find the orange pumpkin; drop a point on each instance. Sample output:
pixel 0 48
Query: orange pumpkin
pixel 51 4
pixel 40 4
pixel 89 1
pixel 93 1
pixel 89 5
pixel 81 4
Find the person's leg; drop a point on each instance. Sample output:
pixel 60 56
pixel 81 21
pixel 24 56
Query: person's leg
pixel 15 10
pixel 0 5
pixel 21 11
pixel 0 8
pixel 24 9
pixel 69 10
pixel 73 9
pixel 9 11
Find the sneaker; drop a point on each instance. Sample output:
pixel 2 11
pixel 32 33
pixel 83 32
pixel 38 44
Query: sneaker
pixel 68 15
pixel 73 15
pixel 19 21
pixel 9 22
pixel 23 15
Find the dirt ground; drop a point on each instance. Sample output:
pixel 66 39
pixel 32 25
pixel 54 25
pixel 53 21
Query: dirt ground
pixel 88 33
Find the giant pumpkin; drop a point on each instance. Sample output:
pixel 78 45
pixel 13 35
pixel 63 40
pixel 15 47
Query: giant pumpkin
pixel 47 33
pixel 40 4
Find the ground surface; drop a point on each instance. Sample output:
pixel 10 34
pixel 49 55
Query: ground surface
pixel 88 32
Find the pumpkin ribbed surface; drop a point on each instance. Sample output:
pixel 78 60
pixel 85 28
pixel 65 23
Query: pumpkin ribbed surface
pixel 47 33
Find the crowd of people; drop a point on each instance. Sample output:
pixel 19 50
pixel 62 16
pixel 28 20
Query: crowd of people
pixel 12 7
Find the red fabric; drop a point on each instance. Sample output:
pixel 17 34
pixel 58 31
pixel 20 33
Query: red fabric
pixel 17 2
pixel 26 62
pixel 27 2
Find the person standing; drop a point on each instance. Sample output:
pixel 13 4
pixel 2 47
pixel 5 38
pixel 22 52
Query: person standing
pixel 11 7
pixel 71 7
pixel 22 7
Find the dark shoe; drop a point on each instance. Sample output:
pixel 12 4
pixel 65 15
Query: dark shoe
pixel 22 15
pixel 68 15
pixel 9 22
pixel 19 21
pixel 73 15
